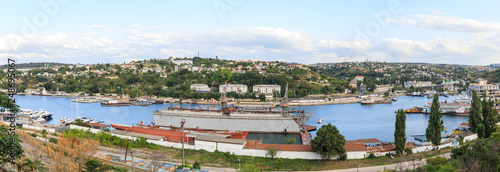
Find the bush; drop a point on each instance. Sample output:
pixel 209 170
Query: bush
pixel 53 140
pixel 408 151
pixel 54 134
pixel 33 134
pixel 44 131
pixel 196 165
pixel 371 156
pixel 44 136
pixel 436 161
pixel 343 157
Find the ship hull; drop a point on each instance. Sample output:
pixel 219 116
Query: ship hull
pixel 115 104
pixel 254 124
pixel 174 135
pixel 376 102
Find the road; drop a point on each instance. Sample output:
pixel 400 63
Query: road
pixel 401 166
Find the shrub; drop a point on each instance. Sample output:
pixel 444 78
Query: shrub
pixel 53 140
pixel 408 151
pixel 343 157
pixel 44 136
pixel 33 134
pixel 436 161
pixel 371 156
pixel 196 165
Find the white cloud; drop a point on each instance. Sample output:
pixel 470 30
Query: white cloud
pixel 264 43
pixel 99 26
pixel 448 23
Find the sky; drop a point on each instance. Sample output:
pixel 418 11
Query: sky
pixel 117 31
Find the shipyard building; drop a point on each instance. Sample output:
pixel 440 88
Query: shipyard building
pixel 238 88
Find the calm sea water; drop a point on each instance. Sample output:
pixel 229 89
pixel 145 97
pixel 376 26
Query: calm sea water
pixel 354 121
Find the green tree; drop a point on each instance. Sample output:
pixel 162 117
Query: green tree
pixel 290 141
pixel 328 142
pixel 196 165
pixel 481 131
pixel 435 125
pixel 262 97
pixel 489 118
pixel 475 112
pixel 400 131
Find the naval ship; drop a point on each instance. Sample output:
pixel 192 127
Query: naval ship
pixel 256 120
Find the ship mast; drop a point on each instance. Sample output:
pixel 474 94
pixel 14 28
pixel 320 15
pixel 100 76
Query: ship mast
pixel 284 102
pixel 223 101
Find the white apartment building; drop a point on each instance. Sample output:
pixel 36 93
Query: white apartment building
pixel 238 88
pixel 179 62
pixel 267 89
pixel 492 91
pixel 200 87
pixel 417 84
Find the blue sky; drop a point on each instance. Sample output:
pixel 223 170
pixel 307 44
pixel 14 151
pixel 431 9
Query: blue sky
pixel 71 31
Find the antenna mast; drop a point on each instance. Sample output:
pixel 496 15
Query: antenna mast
pixel 284 102
pixel 223 106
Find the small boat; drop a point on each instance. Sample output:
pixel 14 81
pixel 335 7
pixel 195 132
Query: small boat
pixel 66 121
pixel 320 121
pixel 460 111
pixel 142 102
pixel 39 120
pixel 394 98
pixel 87 120
pixel 372 101
pixel 430 95
pixel 115 103
pixel 412 110
pixel 157 101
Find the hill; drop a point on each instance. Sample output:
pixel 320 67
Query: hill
pixel 33 65
pixel 492 76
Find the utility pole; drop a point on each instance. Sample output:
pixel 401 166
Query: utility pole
pixel 182 127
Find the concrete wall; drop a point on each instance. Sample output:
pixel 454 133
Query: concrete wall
pixel 232 124
pixel 356 155
pixel 40 128
pixel 92 130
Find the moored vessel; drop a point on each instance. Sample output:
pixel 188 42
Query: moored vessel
pixel 256 120
pixel 116 103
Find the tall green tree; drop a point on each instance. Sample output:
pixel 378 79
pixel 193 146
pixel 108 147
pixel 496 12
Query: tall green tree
pixel 328 142
pixel 435 125
pixel 475 112
pixel 489 118
pixel 400 131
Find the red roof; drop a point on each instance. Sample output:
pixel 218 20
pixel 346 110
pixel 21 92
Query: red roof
pixel 354 147
pixel 256 144
pixel 465 124
pixel 372 140
pixel 359 77
pixel 387 148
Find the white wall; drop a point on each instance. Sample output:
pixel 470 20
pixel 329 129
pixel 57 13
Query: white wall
pixel 92 130
pixel 469 138
pixel 356 155
pixel 40 128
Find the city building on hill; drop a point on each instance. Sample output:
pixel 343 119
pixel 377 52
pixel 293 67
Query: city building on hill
pixel 267 89
pixel 238 88
pixel 200 87
pixel 359 78
pixel 180 62
pixel 492 91
pixel 417 84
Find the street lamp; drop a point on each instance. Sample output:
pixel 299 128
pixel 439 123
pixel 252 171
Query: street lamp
pixel 182 127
